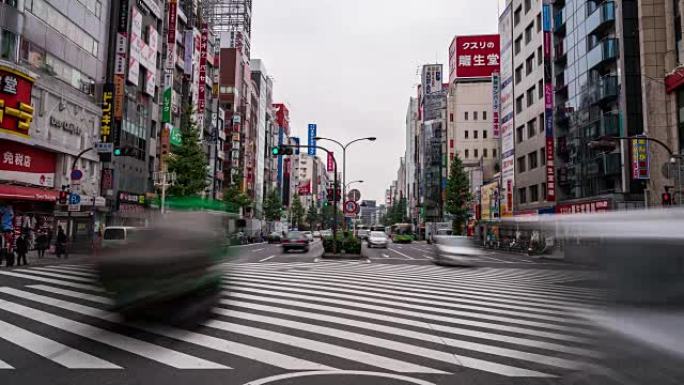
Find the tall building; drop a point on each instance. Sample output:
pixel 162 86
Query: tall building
pixel 411 159
pixel 53 66
pixel 598 91
pixel 263 122
pixel 368 211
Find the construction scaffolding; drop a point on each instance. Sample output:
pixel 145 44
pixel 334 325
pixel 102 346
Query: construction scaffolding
pixel 231 20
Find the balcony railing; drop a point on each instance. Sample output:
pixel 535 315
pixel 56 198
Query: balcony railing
pixel 606 50
pixel 608 87
pixel 602 17
pixel 610 124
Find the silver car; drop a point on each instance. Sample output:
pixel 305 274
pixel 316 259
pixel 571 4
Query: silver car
pixel 455 250
pixel 378 239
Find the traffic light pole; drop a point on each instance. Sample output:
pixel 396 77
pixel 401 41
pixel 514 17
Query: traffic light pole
pixel 335 183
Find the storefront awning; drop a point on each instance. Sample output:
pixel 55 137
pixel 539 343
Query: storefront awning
pixel 8 191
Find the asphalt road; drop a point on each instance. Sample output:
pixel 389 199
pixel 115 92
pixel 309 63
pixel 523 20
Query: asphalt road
pixel 391 317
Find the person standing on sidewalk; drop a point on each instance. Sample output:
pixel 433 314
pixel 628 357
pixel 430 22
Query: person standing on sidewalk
pixel 22 246
pixel 61 244
pixel 41 243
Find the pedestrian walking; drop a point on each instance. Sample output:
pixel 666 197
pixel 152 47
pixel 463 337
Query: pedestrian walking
pixel 8 248
pixel 61 244
pixel 41 243
pixel 21 247
pixel 50 235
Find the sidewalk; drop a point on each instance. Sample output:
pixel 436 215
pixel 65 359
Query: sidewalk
pixel 51 259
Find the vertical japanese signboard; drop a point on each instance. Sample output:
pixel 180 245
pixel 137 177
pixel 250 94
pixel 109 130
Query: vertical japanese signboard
pixel 16 113
pixel 120 61
pixel 431 79
pixel 312 139
pixel 476 56
pixel 640 159
pixel 106 119
pixel 170 63
pixel 330 166
pixel 202 86
pixel 506 117
pixel 496 83
pixel 548 105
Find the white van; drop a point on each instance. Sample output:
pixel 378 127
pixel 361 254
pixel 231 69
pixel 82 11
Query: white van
pixel 115 236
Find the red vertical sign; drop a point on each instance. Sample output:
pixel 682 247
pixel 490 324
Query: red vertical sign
pixel 331 162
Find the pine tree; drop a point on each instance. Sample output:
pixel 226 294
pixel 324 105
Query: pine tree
pixel 273 206
pixel 188 161
pixel 458 195
pixel 297 211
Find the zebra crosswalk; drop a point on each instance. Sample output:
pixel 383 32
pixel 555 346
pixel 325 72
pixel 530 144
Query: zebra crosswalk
pixel 327 316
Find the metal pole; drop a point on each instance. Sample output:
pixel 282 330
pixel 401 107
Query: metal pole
pixel 163 198
pixel 344 180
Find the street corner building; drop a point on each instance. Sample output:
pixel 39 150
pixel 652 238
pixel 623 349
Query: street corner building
pixel 51 67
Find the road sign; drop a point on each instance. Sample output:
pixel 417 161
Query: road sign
pixel 354 195
pixel 350 207
pixel 104 148
pixel 74 208
pixel 350 215
pixel 312 139
pixel 74 199
pixel 76 174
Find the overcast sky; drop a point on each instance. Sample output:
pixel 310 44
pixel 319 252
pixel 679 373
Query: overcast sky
pixel 351 65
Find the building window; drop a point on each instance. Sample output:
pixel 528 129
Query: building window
pixel 475 153
pixel 528 33
pixel 528 5
pixel 518 74
pixel 542 153
pixel 532 160
pixel 516 15
pixel 543 191
pixel 484 115
pixel 467 153
pixel 534 193
pixel 451 117
pixel 519 133
pixel 474 134
pixel 451 143
pixel 530 96
pixel 466 134
pixel 679 47
pixel 494 152
pixel 466 115
pixel 531 129
pixel 484 152
pixel 8 46
pixel 519 104
pixel 539 22
pixel 521 164
pixel 540 56
pixel 529 64
pixel 522 195
pixel 474 115
pixel 541 89
pixel 484 134
pixel 518 44
pixel 542 123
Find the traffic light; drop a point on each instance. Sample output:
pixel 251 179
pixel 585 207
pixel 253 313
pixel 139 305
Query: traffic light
pixel 666 199
pixel 282 150
pixel 124 151
pixel 331 195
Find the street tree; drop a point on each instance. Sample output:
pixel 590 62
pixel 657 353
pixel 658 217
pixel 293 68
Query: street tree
pixel 234 195
pixel 273 206
pixel 458 195
pixel 297 211
pixel 188 160
pixel 312 217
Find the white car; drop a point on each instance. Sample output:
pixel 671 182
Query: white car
pixel 378 239
pixel 309 236
pixel 317 234
pixel 455 250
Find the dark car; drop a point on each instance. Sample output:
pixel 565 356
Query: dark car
pixel 273 237
pixel 295 240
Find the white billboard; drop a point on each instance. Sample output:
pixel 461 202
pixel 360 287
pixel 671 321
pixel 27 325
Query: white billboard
pixel 507 118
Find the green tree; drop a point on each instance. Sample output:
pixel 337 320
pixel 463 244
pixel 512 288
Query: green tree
pixel 297 211
pixel 458 195
pixel 188 160
pixel 312 217
pixel 327 214
pixel 235 196
pixel 273 206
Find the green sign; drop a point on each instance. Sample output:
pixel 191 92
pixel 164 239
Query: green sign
pixel 166 105
pixel 176 138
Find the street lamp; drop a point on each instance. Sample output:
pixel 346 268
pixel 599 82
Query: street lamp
pixel 344 156
pixel 352 182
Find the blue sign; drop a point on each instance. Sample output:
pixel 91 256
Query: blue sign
pixel 312 139
pixel 297 142
pixel 74 199
pixel 76 174
pixel 546 17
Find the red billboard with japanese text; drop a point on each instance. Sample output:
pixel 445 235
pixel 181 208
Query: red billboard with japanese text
pixel 16 112
pixel 475 56
pixel 26 164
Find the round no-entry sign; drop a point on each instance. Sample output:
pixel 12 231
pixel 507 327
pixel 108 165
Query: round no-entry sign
pixel 350 207
pixel 76 174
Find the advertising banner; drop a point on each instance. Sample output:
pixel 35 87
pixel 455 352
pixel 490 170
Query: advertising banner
pixel 506 117
pixel 119 90
pixel 107 180
pixel 640 159
pixel 312 139
pixel 202 86
pixel 135 40
pixel 171 36
pixel 548 106
pixel 495 105
pixel 489 201
pixel 107 112
pixel 16 113
pixel 431 79
pixel 596 206
pixel 175 136
pixel 26 164
pixel 330 166
pixel 167 95
pixel 304 187
pixel 476 56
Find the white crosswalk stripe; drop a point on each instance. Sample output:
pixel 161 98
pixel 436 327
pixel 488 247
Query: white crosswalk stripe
pixel 337 315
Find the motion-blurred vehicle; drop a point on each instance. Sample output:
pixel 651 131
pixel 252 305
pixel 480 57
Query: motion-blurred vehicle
pixel 317 234
pixel 439 232
pixel 378 239
pixel 117 236
pixel 326 233
pixel 273 237
pixel 309 236
pixel 239 238
pixel 295 240
pixel 362 232
pixel 455 250
pixel 401 233
pixel 168 271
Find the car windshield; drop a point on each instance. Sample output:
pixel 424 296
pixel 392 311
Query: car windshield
pixel 378 234
pixel 295 235
pixel 114 234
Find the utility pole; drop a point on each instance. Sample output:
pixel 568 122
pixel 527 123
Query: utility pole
pixel 164 179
